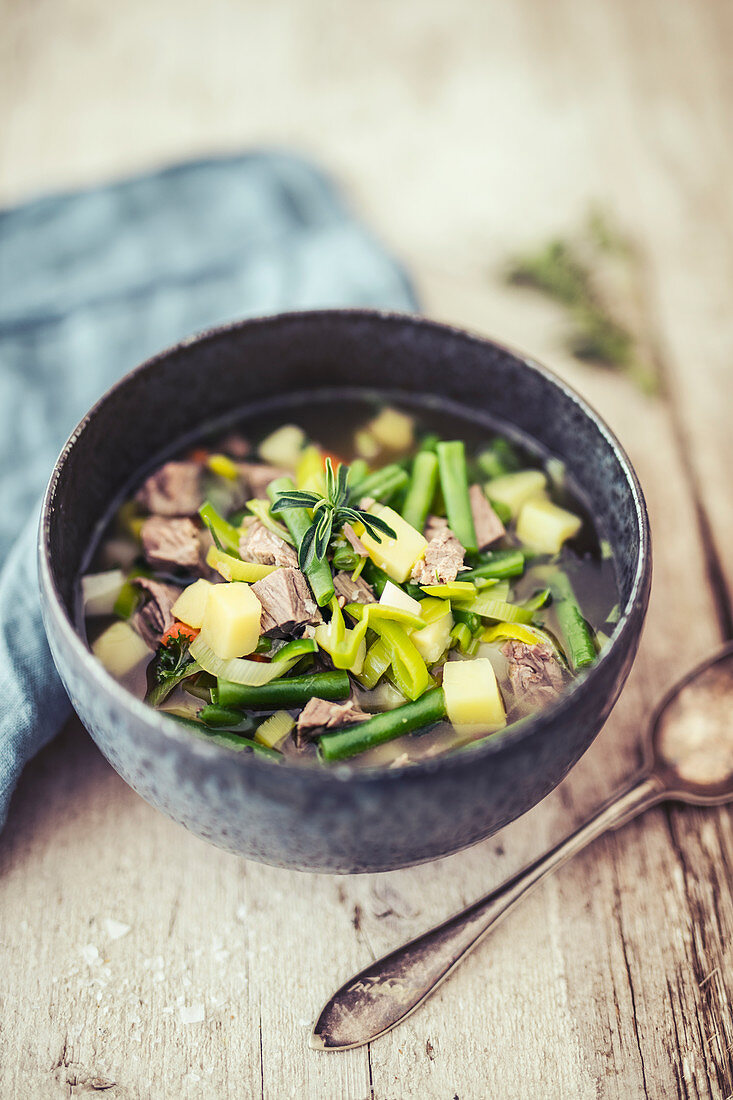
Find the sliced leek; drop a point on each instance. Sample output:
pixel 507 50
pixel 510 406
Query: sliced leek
pixel 238 670
pixel 232 569
pixel 488 607
pixel 274 729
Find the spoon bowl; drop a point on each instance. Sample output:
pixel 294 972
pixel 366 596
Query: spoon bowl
pixel 692 735
pixel 689 758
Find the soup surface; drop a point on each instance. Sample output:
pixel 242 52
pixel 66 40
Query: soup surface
pixel 350 580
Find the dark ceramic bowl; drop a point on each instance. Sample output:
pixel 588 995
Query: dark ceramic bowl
pixel 333 819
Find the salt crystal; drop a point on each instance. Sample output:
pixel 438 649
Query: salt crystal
pixel 116 929
pixel 90 954
pixel 193 1014
pixel 242 913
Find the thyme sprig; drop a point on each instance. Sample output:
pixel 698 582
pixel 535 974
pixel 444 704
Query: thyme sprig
pixel 572 271
pixel 330 512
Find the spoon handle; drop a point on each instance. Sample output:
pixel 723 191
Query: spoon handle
pixel 385 992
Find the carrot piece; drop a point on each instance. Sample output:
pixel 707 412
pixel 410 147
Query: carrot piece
pixel 178 630
pixel 336 460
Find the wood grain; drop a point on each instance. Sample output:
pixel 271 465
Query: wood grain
pixel 462 131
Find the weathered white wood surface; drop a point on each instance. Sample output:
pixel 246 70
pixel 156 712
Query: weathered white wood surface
pixel 462 130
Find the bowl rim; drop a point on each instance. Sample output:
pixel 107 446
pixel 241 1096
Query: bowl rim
pixel 345 771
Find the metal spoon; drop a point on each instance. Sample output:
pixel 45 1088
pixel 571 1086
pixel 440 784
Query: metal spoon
pixel 689 758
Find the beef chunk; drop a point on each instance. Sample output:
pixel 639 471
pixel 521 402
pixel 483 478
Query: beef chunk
pixel 535 673
pixel 236 445
pixel 171 543
pixel 156 615
pixel 287 603
pixel 434 525
pixel 443 557
pixel 349 591
pixel 173 490
pixel 319 714
pixel 259 544
pixel 488 526
pixel 354 541
pixel 257 476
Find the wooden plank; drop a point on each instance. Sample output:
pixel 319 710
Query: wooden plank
pixel 614 980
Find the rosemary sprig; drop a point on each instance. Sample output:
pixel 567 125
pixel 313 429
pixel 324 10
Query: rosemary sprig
pixel 330 512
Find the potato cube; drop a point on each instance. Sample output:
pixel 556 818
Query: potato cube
pixel 231 623
pixel 432 641
pixel 283 447
pixel 191 604
pixel 120 649
pixel 472 697
pixel 544 526
pixel 513 490
pixel 393 430
pixel 396 556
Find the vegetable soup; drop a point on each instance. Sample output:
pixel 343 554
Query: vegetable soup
pixel 351 580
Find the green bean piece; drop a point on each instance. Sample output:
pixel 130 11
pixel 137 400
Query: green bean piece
pixel 341 744
pixel 358 470
pixel 225 737
pixel 291 691
pixel 429 442
pixel 226 718
pixel 235 741
pixel 422 489
pixel 382 484
pixel 297 521
pixel 578 637
pixel 345 558
pixel 498 459
pixel 498 563
pixel 264 750
pixel 454 483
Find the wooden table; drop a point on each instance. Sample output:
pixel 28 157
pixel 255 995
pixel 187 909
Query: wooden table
pixel 137 959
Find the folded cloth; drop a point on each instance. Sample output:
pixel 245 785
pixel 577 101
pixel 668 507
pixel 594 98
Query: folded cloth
pixel 93 282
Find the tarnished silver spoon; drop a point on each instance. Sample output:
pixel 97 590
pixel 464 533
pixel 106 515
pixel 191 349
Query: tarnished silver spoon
pixel 689 758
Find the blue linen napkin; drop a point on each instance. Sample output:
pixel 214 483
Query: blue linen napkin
pixel 93 282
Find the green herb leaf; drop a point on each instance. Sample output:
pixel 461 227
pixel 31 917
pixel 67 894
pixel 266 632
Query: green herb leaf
pixel 330 512
pixel 173 657
pixel 305 550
